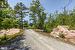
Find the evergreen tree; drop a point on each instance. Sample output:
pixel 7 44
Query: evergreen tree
pixel 37 14
pixel 20 10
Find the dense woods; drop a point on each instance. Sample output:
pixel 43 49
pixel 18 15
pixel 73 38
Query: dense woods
pixel 13 18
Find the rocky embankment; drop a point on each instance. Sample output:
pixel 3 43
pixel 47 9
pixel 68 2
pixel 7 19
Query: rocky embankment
pixel 9 31
pixel 64 33
pixel 9 40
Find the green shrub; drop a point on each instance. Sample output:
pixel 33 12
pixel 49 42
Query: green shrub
pixel 47 28
pixel 9 23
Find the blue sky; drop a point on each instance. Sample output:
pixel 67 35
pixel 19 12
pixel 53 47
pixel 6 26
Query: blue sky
pixel 50 6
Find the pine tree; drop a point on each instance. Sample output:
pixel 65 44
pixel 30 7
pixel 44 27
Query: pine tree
pixel 37 13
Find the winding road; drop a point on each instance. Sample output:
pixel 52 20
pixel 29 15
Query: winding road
pixel 41 42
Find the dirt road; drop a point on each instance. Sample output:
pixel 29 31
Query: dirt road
pixel 41 42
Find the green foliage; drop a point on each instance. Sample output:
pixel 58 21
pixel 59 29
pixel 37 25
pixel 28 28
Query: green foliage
pixel 37 14
pixel 20 10
pixel 10 18
pixel 3 4
pixel 7 20
pixel 25 24
pixel 9 23
pixel 66 18
pixel 47 28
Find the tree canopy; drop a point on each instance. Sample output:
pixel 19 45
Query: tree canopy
pixel 10 18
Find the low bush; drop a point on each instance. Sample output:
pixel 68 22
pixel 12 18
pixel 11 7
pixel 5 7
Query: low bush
pixel 47 28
